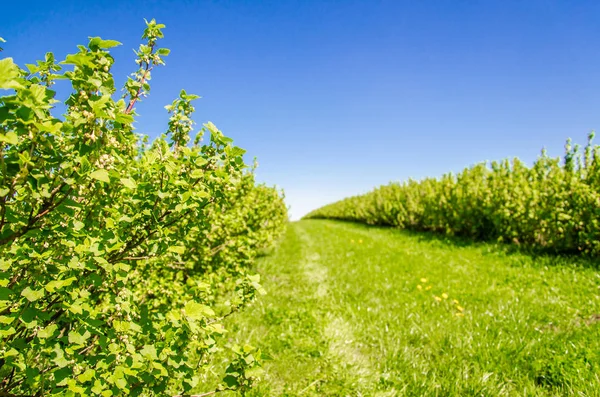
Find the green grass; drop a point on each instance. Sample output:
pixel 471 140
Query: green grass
pixel 344 316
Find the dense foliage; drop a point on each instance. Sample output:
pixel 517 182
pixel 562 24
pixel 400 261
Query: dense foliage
pixel 119 257
pixel 552 205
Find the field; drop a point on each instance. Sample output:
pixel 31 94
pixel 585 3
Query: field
pixel 366 311
pixel 137 265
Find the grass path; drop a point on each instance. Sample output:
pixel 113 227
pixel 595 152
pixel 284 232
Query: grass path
pixel 359 311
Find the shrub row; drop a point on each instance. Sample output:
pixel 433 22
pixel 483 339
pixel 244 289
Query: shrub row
pixel 553 205
pixel 120 257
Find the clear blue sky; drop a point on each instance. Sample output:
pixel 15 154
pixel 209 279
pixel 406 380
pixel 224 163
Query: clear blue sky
pixel 337 97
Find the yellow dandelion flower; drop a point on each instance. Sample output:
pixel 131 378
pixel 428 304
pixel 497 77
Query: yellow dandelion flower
pixel 419 287
pixel 460 314
pixel 460 308
pixel 423 280
pixel 455 302
pixel 437 298
pixel 428 288
pixel 360 241
pixel 445 295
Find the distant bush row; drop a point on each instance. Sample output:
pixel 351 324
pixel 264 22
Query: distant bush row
pixel 119 258
pixel 553 205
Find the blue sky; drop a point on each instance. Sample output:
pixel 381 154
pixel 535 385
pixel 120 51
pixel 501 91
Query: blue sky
pixel 337 97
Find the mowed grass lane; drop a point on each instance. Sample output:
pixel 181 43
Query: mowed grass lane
pixel 364 311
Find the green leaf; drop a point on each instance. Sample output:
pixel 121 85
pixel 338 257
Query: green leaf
pixel 231 381
pixel 10 137
pixel 197 311
pixel 9 73
pixel 124 118
pixel 32 295
pixel 191 97
pixel 101 175
pixel 197 173
pixel 99 386
pixel 103 44
pixel 11 353
pixel 47 332
pixel 128 183
pixel 78 60
pixel 87 376
pixel 236 151
pixel 73 387
pixel 178 249
pixel 212 128
pixel 5 294
pixel 7 332
pixel 149 352
pixel 121 326
pixel 38 93
pixel 202 194
pixel 201 161
pixel 54 285
pixel 51 126
pixel 78 339
pixel 121 383
pixel 218 328
pixel 126 218
pixel 6 320
pixel 99 104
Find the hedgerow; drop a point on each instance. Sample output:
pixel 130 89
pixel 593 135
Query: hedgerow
pixel 553 205
pixel 119 257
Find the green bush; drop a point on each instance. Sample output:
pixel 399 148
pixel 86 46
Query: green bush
pixel 552 205
pixel 120 257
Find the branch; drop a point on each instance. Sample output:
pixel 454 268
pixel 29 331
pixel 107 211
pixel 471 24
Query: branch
pixel 137 258
pixel 43 211
pixel 142 81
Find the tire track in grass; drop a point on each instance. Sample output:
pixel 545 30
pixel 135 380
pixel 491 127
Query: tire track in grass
pixel 339 332
pixel 309 349
pixel 287 326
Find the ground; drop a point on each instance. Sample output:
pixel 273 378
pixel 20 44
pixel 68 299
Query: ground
pixel 353 310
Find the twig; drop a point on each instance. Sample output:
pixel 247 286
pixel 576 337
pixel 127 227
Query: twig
pixel 137 258
pixel 142 81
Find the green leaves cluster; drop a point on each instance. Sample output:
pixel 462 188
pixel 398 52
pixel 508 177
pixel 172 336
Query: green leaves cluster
pixel 119 257
pixel 553 205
